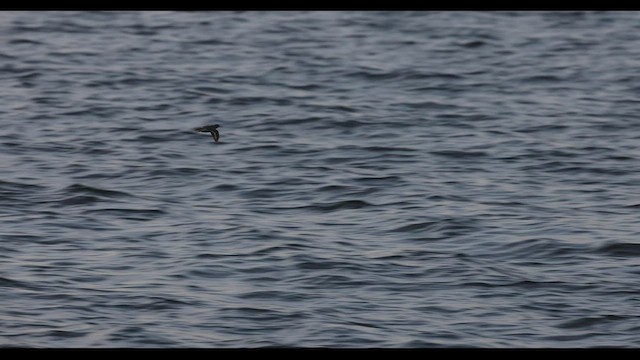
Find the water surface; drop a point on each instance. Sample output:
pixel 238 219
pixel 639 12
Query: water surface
pixel 383 179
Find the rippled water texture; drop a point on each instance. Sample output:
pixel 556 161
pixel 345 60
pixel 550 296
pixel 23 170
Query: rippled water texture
pixel 382 179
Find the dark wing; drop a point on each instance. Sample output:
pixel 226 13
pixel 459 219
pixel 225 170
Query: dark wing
pixel 215 134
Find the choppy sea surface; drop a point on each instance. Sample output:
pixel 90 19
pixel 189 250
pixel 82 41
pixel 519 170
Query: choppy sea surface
pixel 383 179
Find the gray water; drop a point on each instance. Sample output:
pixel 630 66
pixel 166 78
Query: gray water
pixel 383 179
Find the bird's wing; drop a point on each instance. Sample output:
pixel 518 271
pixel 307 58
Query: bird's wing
pixel 216 135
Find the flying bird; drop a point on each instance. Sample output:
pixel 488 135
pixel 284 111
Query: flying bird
pixel 210 129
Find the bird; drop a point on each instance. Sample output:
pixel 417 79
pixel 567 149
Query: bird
pixel 210 129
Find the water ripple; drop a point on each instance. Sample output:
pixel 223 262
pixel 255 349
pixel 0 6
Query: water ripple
pixel 383 179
